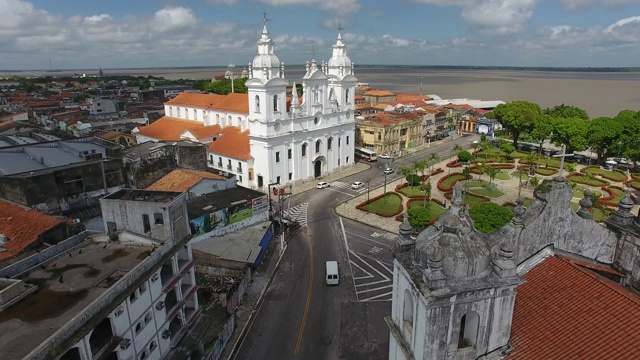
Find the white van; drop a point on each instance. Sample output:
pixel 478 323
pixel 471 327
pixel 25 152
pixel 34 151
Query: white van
pixel 332 277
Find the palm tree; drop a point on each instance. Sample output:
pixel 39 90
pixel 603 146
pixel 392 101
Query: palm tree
pixel 467 174
pixel 420 165
pixel 492 172
pixel 406 171
pixel 433 158
pixel 590 177
pixel 426 187
pixel 456 149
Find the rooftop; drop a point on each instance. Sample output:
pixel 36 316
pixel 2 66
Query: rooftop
pixel 168 128
pixel 182 180
pixel 565 311
pixel 209 203
pixel 232 143
pixel 242 246
pixel 66 285
pixel 21 227
pixel 143 195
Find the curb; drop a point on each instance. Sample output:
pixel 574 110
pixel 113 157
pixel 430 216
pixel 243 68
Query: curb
pixel 256 308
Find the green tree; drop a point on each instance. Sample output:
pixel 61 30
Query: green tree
pixel 590 178
pixel 572 132
pixel 517 117
pixel 603 132
pixel 571 166
pixel 542 129
pixel 419 217
pixel 456 149
pixel 507 149
pixel 489 216
pixel 566 111
pixel 492 172
pixel 433 159
pixel 464 156
pixel 426 187
pixel 420 165
pixel 406 171
pixel 467 175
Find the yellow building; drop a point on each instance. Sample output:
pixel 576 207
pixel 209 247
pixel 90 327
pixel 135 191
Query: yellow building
pixel 389 132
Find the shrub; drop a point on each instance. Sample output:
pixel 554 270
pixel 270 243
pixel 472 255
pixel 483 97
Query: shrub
pixel 414 179
pixel 489 216
pixel 464 156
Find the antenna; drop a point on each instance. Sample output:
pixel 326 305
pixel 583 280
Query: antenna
pixel 421 78
pixel 50 68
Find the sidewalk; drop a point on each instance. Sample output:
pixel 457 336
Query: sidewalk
pixel 253 297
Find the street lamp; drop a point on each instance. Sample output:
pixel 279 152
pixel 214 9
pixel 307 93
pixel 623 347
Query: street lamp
pixel 539 154
pixel 270 205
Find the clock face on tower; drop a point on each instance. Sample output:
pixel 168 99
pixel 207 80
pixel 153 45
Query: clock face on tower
pixel 276 126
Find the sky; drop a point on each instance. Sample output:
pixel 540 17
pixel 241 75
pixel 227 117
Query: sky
pixel 81 34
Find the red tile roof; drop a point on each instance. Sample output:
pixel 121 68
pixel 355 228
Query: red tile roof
pixel 182 180
pixel 168 128
pixel 377 92
pixel 233 102
pixel 22 227
pixel 232 143
pixel 206 131
pixel 566 312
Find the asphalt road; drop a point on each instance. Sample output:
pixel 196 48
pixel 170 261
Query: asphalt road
pixel 303 318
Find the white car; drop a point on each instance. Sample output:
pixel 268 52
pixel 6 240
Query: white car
pixel 388 171
pixel 384 156
pixel 322 185
pixel 357 185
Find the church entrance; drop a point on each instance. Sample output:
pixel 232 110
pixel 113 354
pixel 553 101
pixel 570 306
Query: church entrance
pixel 317 166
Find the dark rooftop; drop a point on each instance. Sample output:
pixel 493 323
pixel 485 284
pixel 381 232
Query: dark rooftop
pixel 207 204
pixel 143 195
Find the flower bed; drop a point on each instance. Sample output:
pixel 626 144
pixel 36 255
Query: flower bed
pixel 412 192
pixel 547 171
pixel 581 179
pixel 437 171
pixel 434 211
pixel 470 198
pixel 454 163
pixel 613 175
pixel 634 184
pixel 446 183
pixel 615 194
pixel 378 207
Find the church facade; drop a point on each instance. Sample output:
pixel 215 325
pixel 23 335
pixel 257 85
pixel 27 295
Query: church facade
pixel 273 137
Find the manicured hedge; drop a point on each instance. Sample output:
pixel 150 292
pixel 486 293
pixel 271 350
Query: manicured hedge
pixel 362 206
pixel 443 188
pixel 581 179
pixel 612 199
pixel 613 175
pixel 454 163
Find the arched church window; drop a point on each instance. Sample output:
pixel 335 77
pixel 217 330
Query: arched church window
pixel 318 143
pixel 229 121
pixel 218 119
pixel 170 110
pixel 329 141
pixel 468 330
pixel 346 96
pixel 304 149
pixel 275 102
pixel 315 94
pixel 257 101
pixel 407 311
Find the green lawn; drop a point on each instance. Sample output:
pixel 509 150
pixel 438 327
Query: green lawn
pixel 546 171
pixel 494 193
pixel 578 192
pixel 410 191
pixel 385 206
pixel 434 208
pixel 619 194
pixel 503 175
pixel 636 184
pixel 470 200
pixel 518 154
pixel 476 183
pixel 608 174
pixel 581 179
pixel 447 183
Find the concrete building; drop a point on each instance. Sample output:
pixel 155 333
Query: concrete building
pixel 455 297
pixel 127 296
pixel 390 132
pixel 271 138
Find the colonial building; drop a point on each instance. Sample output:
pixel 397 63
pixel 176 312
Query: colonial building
pixel 390 132
pixel 455 297
pixel 271 138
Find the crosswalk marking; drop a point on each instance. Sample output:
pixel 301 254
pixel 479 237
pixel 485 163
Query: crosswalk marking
pixel 341 185
pixel 297 213
pixel 372 278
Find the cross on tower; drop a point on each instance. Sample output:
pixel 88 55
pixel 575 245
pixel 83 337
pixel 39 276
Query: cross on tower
pixel 340 28
pixel 265 21
pixel 562 156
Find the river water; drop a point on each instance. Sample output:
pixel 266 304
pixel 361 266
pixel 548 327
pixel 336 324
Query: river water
pixel 598 93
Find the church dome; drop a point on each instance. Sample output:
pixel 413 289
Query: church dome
pixel 464 251
pixel 339 64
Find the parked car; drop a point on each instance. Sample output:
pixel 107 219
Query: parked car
pixel 384 156
pixel 388 171
pixel 322 185
pixel 357 185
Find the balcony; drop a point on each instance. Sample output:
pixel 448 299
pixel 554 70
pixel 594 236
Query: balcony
pixel 229 167
pixel 239 169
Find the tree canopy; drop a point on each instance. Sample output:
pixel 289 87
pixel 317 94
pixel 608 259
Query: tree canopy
pixel 603 132
pixel 517 117
pixel 572 132
pixel 419 217
pixel 566 111
pixel 489 216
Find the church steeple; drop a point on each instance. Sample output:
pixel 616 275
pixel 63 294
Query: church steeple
pixel 266 64
pixel 339 65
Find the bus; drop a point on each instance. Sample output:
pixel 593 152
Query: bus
pixel 366 154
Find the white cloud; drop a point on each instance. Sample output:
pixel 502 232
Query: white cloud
pixel 223 2
pixel 335 7
pixel 497 17
pixel 581 4
pixel 174 18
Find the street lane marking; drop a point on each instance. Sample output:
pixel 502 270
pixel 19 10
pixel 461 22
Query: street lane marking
pixel 306 307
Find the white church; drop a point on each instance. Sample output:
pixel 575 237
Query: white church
pixel 265 137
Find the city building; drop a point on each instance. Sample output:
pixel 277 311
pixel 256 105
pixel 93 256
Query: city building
pixel 276 139
pixel 550 284
pixel 130 294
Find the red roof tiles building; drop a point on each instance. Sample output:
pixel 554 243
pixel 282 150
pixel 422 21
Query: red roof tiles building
pixel 168 128
pixel 182 180
pixel 565 311
pixel 232 143
pixel 22 228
